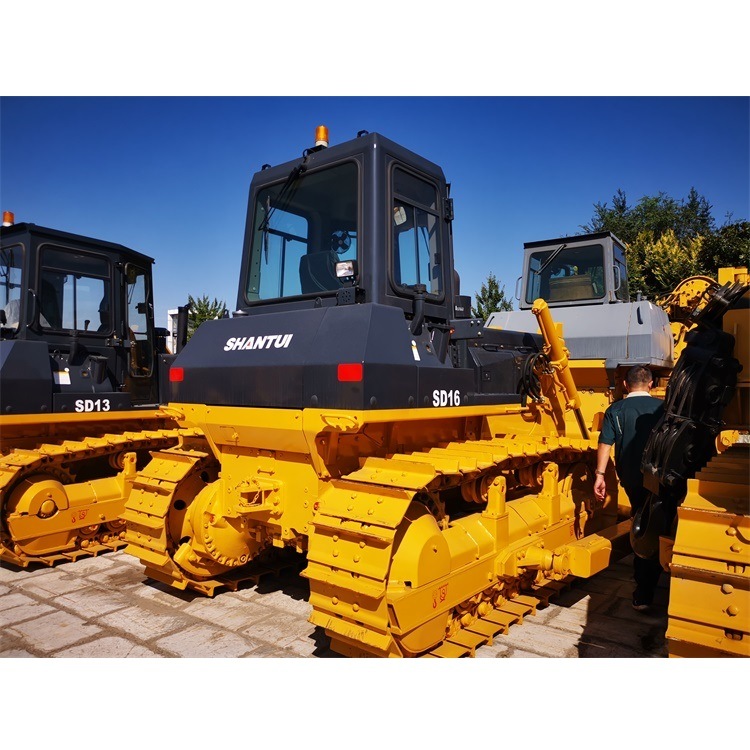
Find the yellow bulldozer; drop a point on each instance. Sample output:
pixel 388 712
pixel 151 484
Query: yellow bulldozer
pixel 436 472
pixel 81 368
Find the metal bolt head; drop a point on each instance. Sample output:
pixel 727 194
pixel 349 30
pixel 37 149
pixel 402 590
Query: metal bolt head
pixel 727 588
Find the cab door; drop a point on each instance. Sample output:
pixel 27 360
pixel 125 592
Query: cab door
pixel 139 330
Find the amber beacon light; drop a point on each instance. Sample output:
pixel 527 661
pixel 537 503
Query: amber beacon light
pixel 321 136
pixel 9 218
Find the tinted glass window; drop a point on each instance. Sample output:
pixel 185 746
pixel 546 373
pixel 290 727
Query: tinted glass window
pixel 416 249
pixel 74 292
pixel 566 275
pixel 621 274
pixel 139 317
pixel 11 262
pixel 301 229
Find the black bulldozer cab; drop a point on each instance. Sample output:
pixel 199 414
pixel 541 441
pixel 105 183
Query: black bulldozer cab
pixel 76 324
pixel 347 295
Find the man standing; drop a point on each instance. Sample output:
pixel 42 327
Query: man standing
pixel 627 425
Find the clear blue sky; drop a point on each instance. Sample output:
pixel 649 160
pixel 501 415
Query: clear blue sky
pixel 169 176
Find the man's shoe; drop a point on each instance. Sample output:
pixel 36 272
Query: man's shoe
pixel 641 603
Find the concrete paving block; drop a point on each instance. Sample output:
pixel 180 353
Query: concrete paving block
pixel 519 653
pixel 92 602
pixel 280 629
pixel 16 653
pixel 88 565
pixel 24 612
pixel 51 586
pixel 121 556
pixel 572 619
pixel 540 640
pixel 304 647
pixel 623 609
pixel 54 631
pixel 592 649
pixel 544 614
pixel 206 641
pixel 283 601
pixel 4 590
pixel 119 577
pixel 496 650
pixel 643 637
pixel 108 648
pixel 577 598
pixel 160 592
pixel 142 622
pixel 620 571
pixel 11 574
pixel 609 588
pixel 14 600
pixel 269 651
pixel 228 612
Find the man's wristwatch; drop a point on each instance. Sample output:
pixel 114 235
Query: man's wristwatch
pixel 600 473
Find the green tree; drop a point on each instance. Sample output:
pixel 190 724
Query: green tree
pixel 687 218
pixel 491 298
pixel 656 266
pixel 729 246
pixel 202 309
pixel 670 239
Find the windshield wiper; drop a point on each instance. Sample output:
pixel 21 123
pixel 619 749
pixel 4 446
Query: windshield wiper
pixel 283 198
pixel 552 256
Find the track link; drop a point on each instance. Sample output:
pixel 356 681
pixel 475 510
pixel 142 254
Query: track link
pixel 78 535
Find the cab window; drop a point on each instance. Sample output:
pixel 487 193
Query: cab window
pixel 566 274
pixel 416 232
pixel 74 292
pixel 621 275
pixel 303 227
pixel 11 264
pixel 139 322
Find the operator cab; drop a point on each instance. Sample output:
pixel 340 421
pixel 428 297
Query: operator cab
pixel 76 323
pixel 347 295
pixel 317 227
pixel 585 279
pixel 585 270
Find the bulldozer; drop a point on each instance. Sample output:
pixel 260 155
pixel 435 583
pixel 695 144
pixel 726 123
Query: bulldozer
pixel 584 280
pixel 82 373
pixel 435 473
pixel 696 466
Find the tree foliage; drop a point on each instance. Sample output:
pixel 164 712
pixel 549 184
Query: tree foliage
pixel 491 298
pixel 669 239
pixel 658 265
pixel 202 309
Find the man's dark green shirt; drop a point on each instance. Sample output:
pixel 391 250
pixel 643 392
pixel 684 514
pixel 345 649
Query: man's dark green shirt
pixel 627 425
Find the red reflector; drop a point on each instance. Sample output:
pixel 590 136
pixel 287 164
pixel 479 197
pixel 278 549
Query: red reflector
pixel 351 373
pixel 176 374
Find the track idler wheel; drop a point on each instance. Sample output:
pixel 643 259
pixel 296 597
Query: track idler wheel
pixel 421 557
pixel 33 517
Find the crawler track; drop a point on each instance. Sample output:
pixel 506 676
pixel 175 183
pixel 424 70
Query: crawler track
pixel 358 589
pixel 48 514
pixel 353 587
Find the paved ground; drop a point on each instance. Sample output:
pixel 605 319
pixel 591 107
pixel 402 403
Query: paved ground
pixel 105 607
